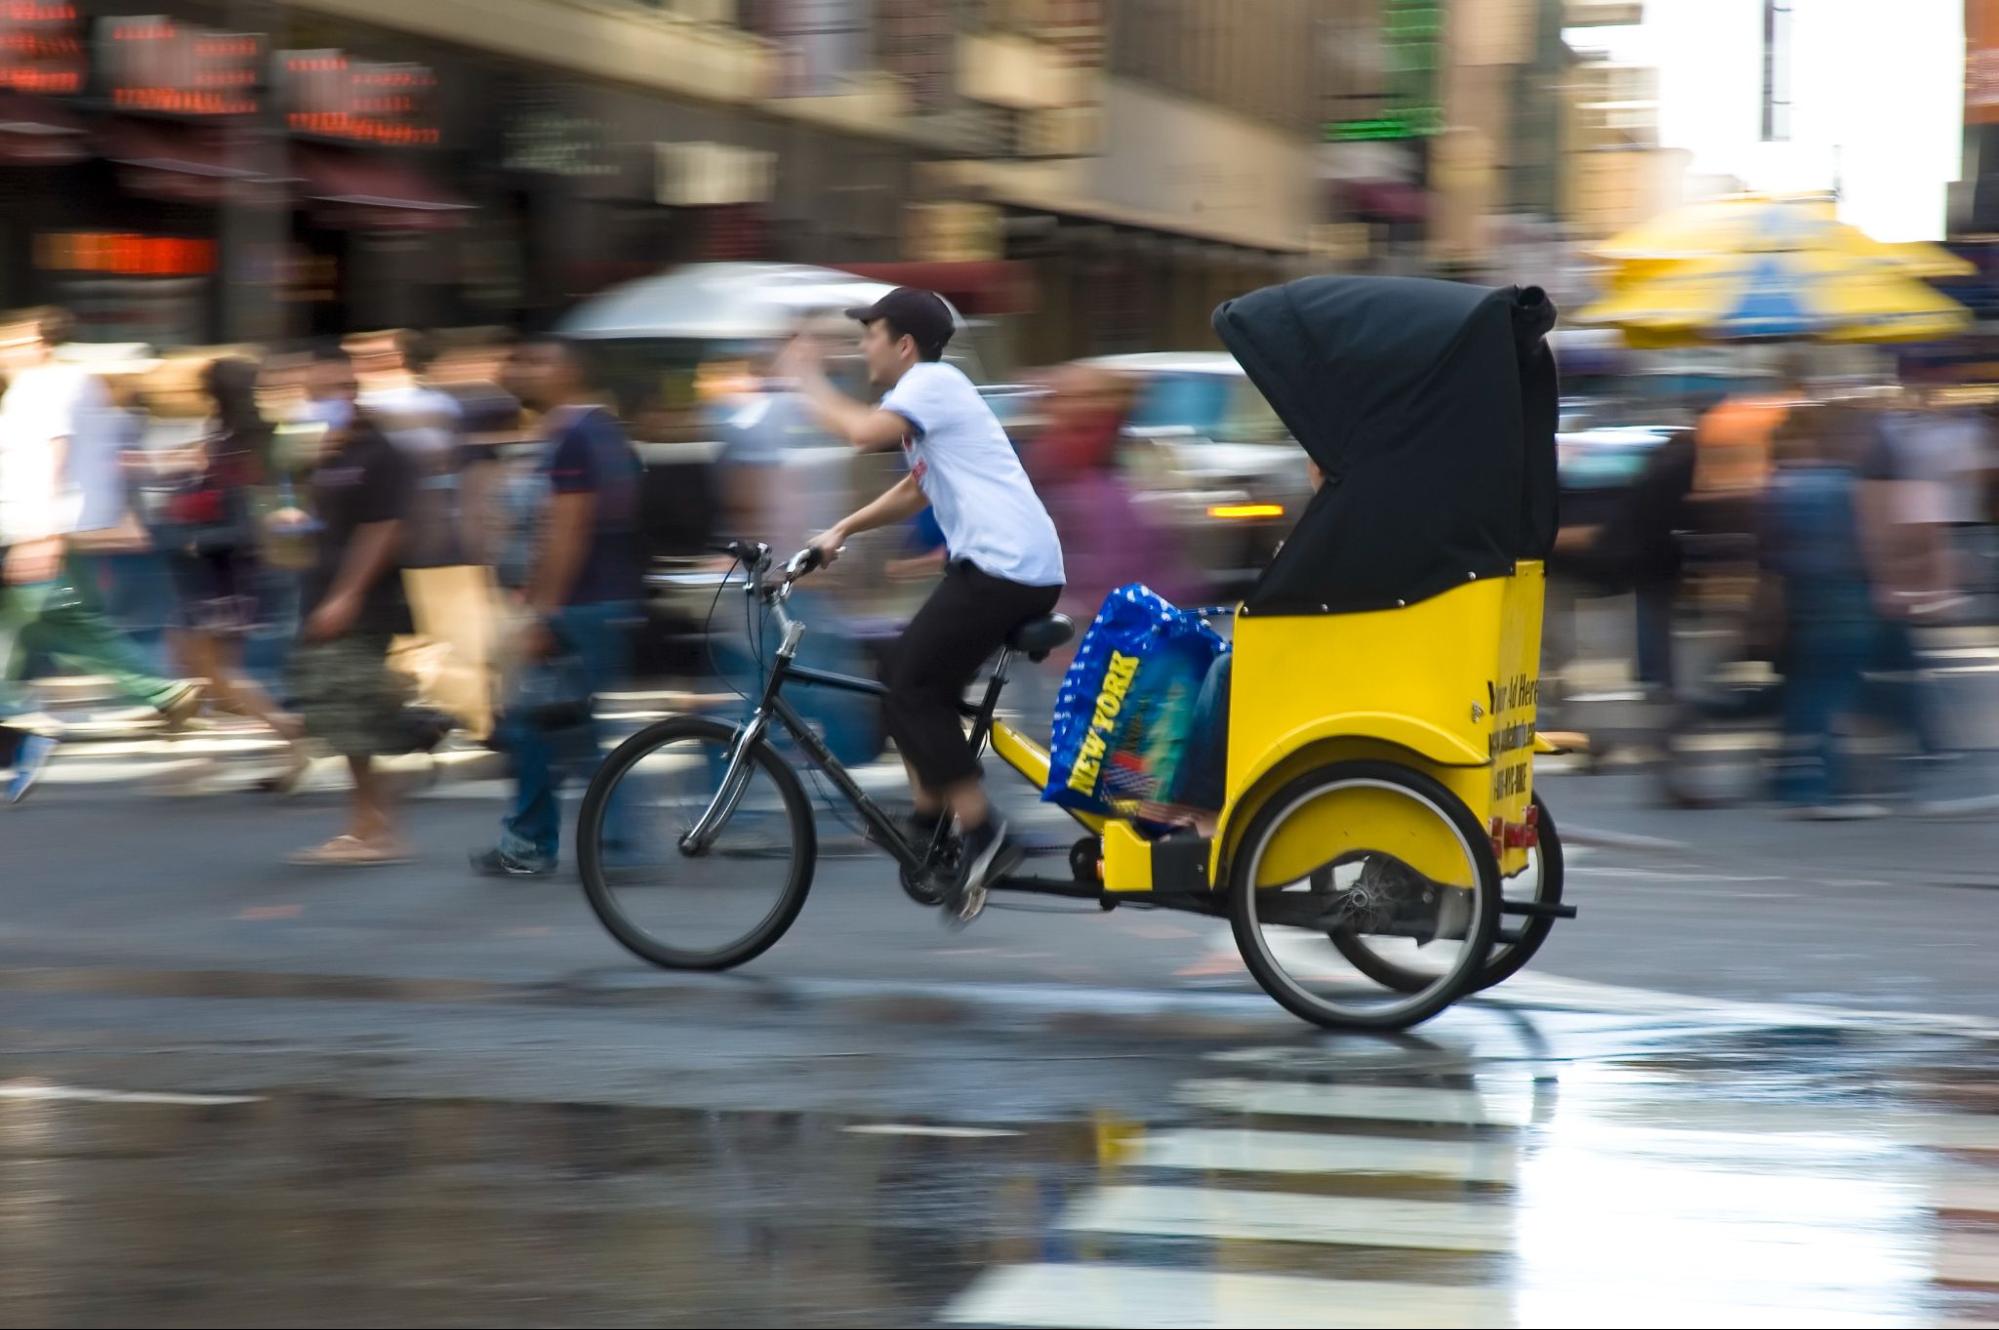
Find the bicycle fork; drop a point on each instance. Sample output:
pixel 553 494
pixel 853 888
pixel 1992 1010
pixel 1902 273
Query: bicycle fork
pixel 700 838
pixel 735 780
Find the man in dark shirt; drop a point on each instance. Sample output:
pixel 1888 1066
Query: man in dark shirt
pixel 362 488
pixel 582 591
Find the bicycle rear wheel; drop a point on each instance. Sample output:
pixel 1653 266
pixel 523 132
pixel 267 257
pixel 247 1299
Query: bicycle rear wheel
pixel 708 910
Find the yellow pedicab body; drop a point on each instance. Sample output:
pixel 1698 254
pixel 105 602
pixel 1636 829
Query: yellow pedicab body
pixel 1447 686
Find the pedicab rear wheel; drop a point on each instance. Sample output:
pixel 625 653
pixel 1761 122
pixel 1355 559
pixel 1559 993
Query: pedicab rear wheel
pixel 1286 931
pixel 1513 944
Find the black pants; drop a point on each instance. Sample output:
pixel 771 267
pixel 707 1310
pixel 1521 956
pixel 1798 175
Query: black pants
pixel 965 621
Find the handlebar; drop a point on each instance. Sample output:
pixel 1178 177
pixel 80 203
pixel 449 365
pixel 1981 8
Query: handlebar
pixel 755 557
pixel 808 560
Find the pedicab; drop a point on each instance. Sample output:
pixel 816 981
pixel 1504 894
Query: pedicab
pixel 1381 851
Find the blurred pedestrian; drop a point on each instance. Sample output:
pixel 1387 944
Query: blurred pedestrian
pixel 46 607
pixel 784 479
pixel 580 599
pixel 1819 588
pixel 362 490
pixel 214 560
pixel 1919 490
pixel 1107 539
pixel 490 423
pixel 427 424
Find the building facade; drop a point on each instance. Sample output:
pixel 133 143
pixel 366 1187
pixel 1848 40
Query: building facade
pixel 191 170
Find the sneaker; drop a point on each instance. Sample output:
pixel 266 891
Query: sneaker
pixel 180 706
pixel 31 758
pixel 502 863
pixel 985 855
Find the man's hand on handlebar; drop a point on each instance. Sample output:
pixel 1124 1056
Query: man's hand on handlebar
pixel 827 544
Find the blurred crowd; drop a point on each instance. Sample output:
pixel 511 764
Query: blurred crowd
pixel 365 546
pixel 1796 555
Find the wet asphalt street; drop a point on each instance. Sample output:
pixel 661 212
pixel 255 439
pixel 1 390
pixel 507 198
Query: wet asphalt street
pixel 1757 1083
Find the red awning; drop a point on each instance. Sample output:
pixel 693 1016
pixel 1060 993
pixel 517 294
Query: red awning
pixel 366 192
pixel 983 286
pixel 34 132
pixel 1386 200
pixel 180 163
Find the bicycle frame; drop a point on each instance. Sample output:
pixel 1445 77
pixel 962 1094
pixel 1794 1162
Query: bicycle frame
pixel 1017 750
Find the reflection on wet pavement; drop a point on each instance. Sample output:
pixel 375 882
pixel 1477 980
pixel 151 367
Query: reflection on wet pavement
pixel 1552 1169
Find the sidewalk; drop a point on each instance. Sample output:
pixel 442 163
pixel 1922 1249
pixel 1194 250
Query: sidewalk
pixel 108 743
pixel 1617 809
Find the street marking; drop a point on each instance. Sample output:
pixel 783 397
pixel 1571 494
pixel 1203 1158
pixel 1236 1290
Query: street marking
pixel 1088 1296
pixel 1128 1295
pixel 271 912
pixel 1366 1221
pixel 1366 1103
pixel 1511 1106
pixel 921 1129
pixel 41 1092
pixel 1246 1151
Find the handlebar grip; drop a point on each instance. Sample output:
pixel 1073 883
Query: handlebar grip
pixel 748 552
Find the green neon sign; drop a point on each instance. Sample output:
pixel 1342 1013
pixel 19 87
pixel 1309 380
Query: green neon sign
pixel 1411 40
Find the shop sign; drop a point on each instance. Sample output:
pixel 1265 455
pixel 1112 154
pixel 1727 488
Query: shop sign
pixel 548 139
pixel 1412 34
pixel 124 254
pixel 328 94
pixel 1981 62
pixel 41 48
pixel 162 66
pixel 705 175
pixel 952 232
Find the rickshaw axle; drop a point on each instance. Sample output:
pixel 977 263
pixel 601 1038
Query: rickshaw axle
pixel 1538 909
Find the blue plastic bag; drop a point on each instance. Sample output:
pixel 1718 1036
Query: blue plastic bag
pixel 1127 703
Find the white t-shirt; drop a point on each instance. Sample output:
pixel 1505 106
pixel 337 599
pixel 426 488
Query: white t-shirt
pixel 43 404
pixel 989 513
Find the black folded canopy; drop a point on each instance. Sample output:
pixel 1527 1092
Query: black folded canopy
pixel 1430 406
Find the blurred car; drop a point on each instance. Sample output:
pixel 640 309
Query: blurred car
pixel 1210 450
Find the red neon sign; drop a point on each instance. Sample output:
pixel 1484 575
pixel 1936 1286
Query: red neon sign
pixel 159 65
pixel 124 254
pixel 328 95
pixel 41 50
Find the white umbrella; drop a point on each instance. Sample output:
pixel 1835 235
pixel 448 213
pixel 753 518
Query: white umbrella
pixel 723 301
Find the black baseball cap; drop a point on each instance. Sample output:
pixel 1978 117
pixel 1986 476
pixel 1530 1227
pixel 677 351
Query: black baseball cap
pixel 919 313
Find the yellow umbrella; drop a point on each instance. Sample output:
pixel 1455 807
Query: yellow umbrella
pixel 1769 294
pixel 1760 224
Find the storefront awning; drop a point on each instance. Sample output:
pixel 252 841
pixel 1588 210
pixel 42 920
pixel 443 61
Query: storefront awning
pixel 1385 200
pixel 34 132
pixel 372 193
pixel 183 163
pixel 988 286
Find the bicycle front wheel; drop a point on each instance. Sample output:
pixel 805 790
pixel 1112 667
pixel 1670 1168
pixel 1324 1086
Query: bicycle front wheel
pixel 706 909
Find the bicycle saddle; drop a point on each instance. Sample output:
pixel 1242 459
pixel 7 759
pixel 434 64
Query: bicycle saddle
pixel 1037 637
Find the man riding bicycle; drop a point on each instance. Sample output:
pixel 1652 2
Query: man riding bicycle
pixel 1004 562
